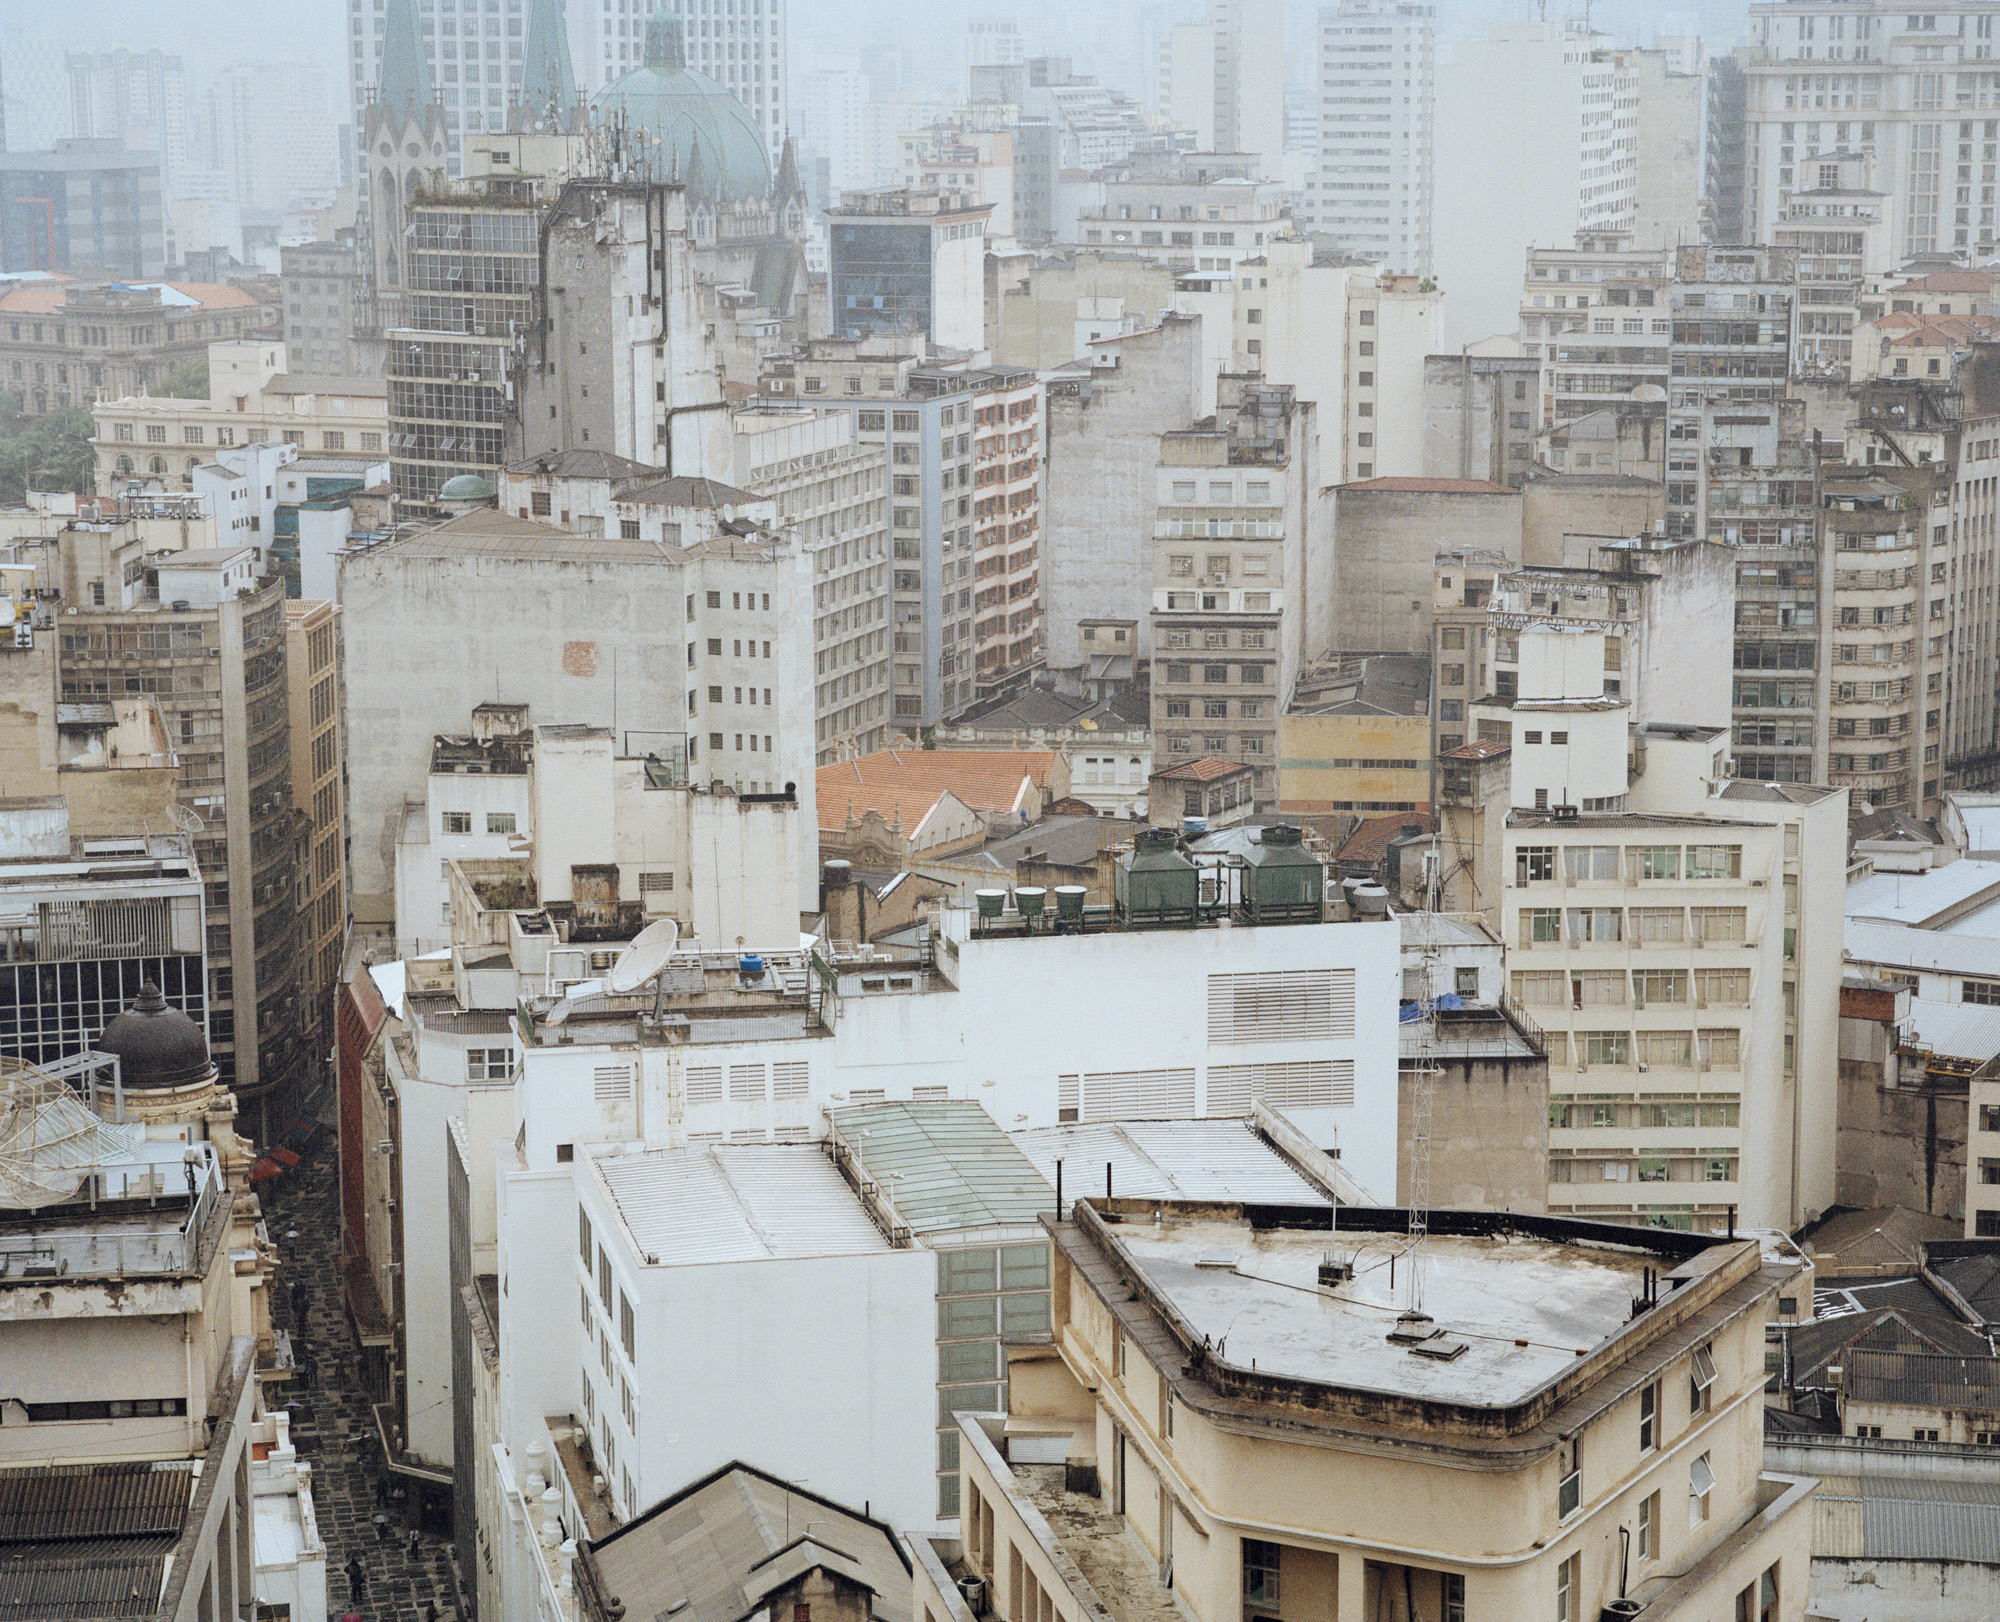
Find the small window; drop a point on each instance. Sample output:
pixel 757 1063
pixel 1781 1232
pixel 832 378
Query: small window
pixel 1569 1468
pixel 1701 1485
pixel 1701 1379
pixel 499 822
pixel 1649 1417
pixel 458 822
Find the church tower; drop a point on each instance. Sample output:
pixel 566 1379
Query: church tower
pixel 404 140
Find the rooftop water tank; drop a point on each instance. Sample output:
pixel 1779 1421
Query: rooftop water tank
pixel 1282 882
pixel 1155 886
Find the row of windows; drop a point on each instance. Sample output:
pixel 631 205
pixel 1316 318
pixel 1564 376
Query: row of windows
pixel 1536 864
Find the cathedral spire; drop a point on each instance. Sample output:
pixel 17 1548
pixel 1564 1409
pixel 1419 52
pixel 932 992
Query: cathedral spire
pixel 403 82
pixel 666 48
pixel 548 81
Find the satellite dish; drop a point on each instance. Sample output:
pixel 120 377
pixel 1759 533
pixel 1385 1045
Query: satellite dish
pixel 1649 393
pixel 186 818
pixel 582 992
pixel 49 1139
pixel 645 957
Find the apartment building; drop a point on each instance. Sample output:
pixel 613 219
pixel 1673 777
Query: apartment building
pixel 1614 349
pixel 1702 952
pixel 1371 190
pixel 1233 614
pixel 831 491
pixel 1834 222
pixel 323 293
pixel 1910 91
pixel 1982 1153
pixel 316 701
pixel 202 628
pixel 1205 213
pixel 964 449
pixel 909 262
pixel 1247 1427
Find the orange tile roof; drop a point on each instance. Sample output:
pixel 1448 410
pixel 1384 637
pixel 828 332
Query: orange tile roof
pixel 1444 487
pixel 1949 281
pixel 45 298
pixel 1201 771
pixel 42 298
pixel 1370 842
pixel 906 783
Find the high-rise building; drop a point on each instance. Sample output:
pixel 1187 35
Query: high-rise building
pixel 203 628
pixel 319 772
pixel 1914 92
pixel 1233 614
pixel 133 98
pixel 1596 319
pixel 1378 81
pixel 268 129
pixel 1250 79
pixel 1679 937
pixel 89 208
pixel 323 284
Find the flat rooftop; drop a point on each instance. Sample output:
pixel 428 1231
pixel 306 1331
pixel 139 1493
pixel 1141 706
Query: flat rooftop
pixel 747 1203
pixel 1253 1291
pixel 1116 1564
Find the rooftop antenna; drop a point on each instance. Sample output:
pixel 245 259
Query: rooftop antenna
pixel 1423 1095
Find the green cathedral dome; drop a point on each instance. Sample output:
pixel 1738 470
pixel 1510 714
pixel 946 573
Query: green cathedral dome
pixel 693 130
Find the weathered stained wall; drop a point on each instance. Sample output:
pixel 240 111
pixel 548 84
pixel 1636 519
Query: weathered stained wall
pixel 1385 543
pixel 1489 1134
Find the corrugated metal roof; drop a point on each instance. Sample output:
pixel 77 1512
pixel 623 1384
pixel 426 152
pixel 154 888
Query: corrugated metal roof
pixel 1923 1379
pixel 83 1582
pixel 945 1165
pixel 1954 1030
pixel 1192 1160
pixel 706 1553
pixel 737 1203
pixel 1921 1520
pixel 1936 951
pixel 93 1501
pixel 1910 898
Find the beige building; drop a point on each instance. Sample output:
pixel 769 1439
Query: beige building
pixel 1678 934
pixel 1356 736
pixel 252 398
pixel 319 774
pixel 1042 311
pixel 1243 1416
pixel 1982 1154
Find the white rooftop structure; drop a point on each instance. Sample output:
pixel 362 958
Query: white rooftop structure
pixel 1898 946
pixel 748 1203
pixel 1174 1160
pixel 1944 898
pixel 1256 1289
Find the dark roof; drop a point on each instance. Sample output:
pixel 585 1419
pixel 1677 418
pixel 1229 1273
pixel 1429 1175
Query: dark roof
pixel 1066 841
pixel 1899 825
pixel 157 1045
pixel 1369 684
pixel 675 491
pixel 89 1541
pixel 1371 841
pixel 583 464
pixel 713 1549
pixel 1969 1270
pixel 1814 1347
pixel 1923 1379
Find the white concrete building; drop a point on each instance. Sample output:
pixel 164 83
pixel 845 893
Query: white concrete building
pixel 1675 932
pixel 492 608
pixel 1371 190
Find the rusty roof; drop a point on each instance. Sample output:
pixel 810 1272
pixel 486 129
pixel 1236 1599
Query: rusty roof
pixel 908 782
pixel 1478 749
pixel 1371 841
pixel 1200 771
pixel 67 1503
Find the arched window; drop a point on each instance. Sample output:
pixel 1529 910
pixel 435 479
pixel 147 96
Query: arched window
pixel 124 465
pixel 193 463
pixel 156 464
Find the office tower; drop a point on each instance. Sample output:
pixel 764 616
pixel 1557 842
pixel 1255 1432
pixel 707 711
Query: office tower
pixel 1377 77
pixel 133 98
pixel 88 208
pixel 1916 93
pixel 1250 79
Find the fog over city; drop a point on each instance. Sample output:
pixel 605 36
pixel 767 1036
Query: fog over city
pixel 1171 811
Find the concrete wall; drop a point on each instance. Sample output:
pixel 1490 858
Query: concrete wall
pixel 1310 782
pixel 1385 542
pixel 1103 453
pixel 1489 1134
pixel 1032 312
pixel 1874 1590
pixel 1552 508
pixel 1897 1146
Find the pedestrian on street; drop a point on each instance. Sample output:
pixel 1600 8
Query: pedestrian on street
pixel 357 1580
pixel 413 1543
pixel 381 1492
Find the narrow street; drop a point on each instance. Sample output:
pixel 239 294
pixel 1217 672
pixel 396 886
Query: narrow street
pixel 332 1414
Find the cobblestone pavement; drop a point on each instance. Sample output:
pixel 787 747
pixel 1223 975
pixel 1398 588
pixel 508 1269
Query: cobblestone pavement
pixel 332 1413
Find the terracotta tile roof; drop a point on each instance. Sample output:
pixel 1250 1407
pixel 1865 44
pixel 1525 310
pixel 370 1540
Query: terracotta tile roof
pixel 1370 842
pixel 1443 487
pixel 45 298
pixel 1949 281
pixel 1478 749
pixel 907 782
pixel 1200 771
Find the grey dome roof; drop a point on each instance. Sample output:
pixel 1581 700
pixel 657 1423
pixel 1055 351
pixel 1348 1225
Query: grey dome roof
pixel 466 487
pixel 157 1046
pixel 695 130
